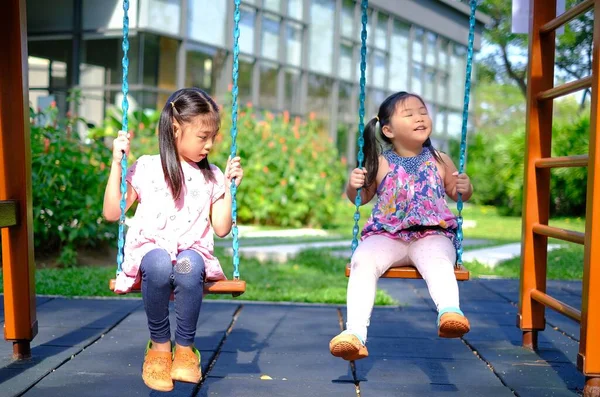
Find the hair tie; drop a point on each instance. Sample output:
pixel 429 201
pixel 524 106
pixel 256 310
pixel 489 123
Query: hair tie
pixel 377 118
pixel 172 105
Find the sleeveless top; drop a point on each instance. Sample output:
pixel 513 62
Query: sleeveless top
pixel 411 201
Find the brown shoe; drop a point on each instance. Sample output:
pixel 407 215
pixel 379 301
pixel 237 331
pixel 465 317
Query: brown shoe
pixel 348 347
pixel 186 365
pixel 453 325
pixel 156 371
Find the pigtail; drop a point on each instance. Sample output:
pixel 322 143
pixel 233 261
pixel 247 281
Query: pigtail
pixel 436 155
pixel 169 156
pixel 371 151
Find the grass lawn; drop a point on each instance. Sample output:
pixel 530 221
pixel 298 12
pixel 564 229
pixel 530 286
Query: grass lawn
pixel 317 277
pixel 314 277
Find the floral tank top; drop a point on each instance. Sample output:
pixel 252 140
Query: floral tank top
pixel 411 201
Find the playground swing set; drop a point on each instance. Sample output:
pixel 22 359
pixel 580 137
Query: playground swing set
pixel 16 221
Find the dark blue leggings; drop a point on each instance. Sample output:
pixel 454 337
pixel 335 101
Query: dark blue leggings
pixel 160 278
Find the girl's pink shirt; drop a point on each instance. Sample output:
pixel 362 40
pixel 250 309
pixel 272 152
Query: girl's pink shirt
pixel 175 226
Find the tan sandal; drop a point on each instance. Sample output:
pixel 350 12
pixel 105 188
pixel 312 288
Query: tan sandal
pixel 156 371
pixel 348 347
pixel 186 365
pixel 453 325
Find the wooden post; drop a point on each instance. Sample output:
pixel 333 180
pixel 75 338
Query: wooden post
pixel 18 266
pixel 536 195
pixel 588 359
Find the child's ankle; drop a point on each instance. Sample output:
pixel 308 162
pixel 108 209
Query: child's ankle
pixel 161 347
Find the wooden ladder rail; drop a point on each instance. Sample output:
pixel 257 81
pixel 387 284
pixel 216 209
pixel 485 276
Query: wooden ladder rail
pixel 538 163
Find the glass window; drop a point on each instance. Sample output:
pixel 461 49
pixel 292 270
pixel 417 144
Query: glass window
pixel 295 9
pixel 210 17
pixel 319 96
pixel 347 19
pixel 381 36
pixel 96 15
pixel 418 45
pixel 322 13
pixel 379 60
pixel 376 97
pixel 92 106
pixel 443 55
pixel 417 79
pixel 43 17
pixel 101 61
pixel 399 53
pixel 429 84
pixel 345 66
pixel 203 67
pixel 247 23
pixel 441 121
pixel 370 26
pixel 160 62
pixel 273 5
pixel 246 67
pixel 270 37
pixel 292 90
pixel 294 43
pixel 268 86
pixel 38 75
pixel 431 49
pixel 457 76
pixel 454 124
pixel 442 88
pixel 160 15
pixel 344 102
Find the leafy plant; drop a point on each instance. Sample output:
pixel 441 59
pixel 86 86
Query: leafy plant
pixel 69 177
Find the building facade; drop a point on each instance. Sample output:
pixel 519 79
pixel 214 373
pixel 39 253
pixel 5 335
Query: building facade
pixel 297 55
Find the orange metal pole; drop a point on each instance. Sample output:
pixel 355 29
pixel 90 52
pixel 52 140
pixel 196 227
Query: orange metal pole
pixel 18 266
pixel 588 359
pixel 540 78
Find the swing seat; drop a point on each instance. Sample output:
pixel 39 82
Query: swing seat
pixel 410 272
pixel 221 287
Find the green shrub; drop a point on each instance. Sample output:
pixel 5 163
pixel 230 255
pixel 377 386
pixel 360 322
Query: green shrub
pixel 496 167
pixel 292 173
pixel 68 180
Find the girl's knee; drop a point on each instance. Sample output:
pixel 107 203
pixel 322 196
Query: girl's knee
pixel 156 267
pixel 190 264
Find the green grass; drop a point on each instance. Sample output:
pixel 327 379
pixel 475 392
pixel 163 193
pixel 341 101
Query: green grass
pixel 563 264
pixel 317 276
pixel 313 277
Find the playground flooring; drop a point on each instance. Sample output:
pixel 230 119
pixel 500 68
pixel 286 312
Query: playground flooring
pixel 95 347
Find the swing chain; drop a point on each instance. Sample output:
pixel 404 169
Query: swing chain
pixel 234 131
pixel 125 128
pixel 465 121
pixel 361 117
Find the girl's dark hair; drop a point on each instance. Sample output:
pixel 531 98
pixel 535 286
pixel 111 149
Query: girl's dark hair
pixel 372 148
pixel 183 105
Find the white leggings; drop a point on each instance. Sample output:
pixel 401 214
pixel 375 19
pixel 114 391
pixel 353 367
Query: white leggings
pixel 434 256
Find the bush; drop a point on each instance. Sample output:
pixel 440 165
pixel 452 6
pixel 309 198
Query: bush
pixel 68 179
pixel 496 166
pixel 292 173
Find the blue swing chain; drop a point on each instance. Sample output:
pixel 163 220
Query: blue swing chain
pixel 361 114
pixel 463 138
pixel 234 131
pixel 125 128
pixel 234 111
pixel 361 117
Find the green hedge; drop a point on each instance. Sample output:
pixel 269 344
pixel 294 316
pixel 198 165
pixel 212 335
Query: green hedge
pixel 496 166
pixel 68 180
pixel 293 176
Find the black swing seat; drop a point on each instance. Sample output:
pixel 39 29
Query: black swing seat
pixel 222 287
pixel 410 272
